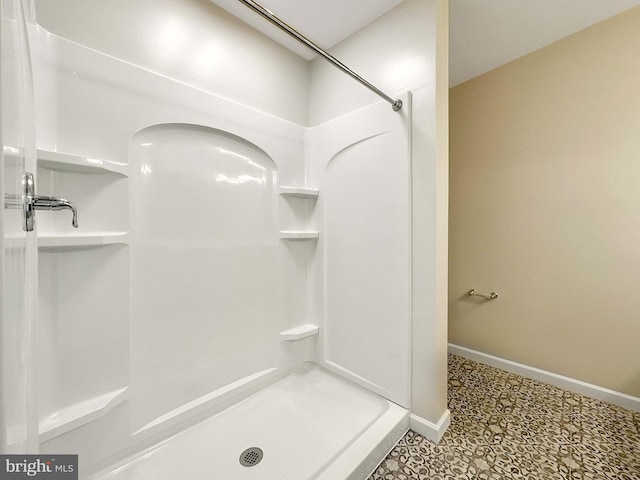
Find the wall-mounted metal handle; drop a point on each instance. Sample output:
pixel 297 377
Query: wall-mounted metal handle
pixel 30 202
pixel 490 296
pixel 41 202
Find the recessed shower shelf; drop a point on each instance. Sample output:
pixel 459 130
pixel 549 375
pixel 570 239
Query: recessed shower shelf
pixel 15 240
pixel 54 242
pixel 80 414
pixel 298 192
pixel 300 332
pixel 66 162
pixel 299 234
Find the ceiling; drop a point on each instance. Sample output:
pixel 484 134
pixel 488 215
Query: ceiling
pixel 325 22
pixel 484 34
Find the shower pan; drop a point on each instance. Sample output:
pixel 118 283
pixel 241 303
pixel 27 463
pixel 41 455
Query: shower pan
pixel 236 297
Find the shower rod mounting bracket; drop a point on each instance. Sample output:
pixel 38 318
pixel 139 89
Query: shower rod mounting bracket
pixel 396 104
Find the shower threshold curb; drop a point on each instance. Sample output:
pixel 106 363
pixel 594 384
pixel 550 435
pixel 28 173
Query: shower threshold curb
pixel 361 458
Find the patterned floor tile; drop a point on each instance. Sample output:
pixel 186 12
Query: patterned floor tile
pixel 416 458
pixel 507 427
pixel 602 429
pixel 605 461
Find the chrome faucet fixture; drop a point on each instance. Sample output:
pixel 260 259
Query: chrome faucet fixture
pixel 42 202
pixel 29 202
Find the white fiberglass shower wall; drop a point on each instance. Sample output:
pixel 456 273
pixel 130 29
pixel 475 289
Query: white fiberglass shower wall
pixel 18 259
pixel 220 250
pixel 362 266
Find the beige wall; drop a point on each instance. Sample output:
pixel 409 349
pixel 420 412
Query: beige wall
pixel 545 207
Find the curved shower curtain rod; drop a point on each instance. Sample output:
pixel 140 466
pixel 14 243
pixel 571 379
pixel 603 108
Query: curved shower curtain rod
pixel 256 7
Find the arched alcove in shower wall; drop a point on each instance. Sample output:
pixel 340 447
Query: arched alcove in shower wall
pixel 205 267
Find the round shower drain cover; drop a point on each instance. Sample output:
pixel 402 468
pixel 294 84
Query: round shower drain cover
pixel 250 457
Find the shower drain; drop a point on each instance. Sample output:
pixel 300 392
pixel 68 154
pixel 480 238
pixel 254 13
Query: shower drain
pixel 250 457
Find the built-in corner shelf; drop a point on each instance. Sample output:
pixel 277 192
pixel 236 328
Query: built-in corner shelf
pixel 79 414
pixel 65 162
pixel 299 234
pixel 298 192
pixel 51 242
pixel 300 332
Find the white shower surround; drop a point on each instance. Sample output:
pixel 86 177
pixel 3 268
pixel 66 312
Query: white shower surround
pixel 99 107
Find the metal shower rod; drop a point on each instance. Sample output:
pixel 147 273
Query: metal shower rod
pixel 396 104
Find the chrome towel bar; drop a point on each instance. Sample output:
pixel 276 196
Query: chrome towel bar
pixel 490 296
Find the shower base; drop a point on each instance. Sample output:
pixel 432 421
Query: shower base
pixel 309 425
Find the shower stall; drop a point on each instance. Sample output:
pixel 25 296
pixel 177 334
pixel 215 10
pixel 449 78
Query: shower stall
pixel 237 295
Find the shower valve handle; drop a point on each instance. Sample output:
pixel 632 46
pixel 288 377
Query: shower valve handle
pixel 29 202
pixel 41 202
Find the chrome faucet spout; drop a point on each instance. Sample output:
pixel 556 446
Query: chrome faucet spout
pixel 41 202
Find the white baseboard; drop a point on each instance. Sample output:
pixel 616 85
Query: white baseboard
pixel 571 384
pixel 430 431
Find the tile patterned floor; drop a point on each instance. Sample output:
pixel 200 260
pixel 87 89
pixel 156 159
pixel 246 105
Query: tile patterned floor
pixel 504 426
